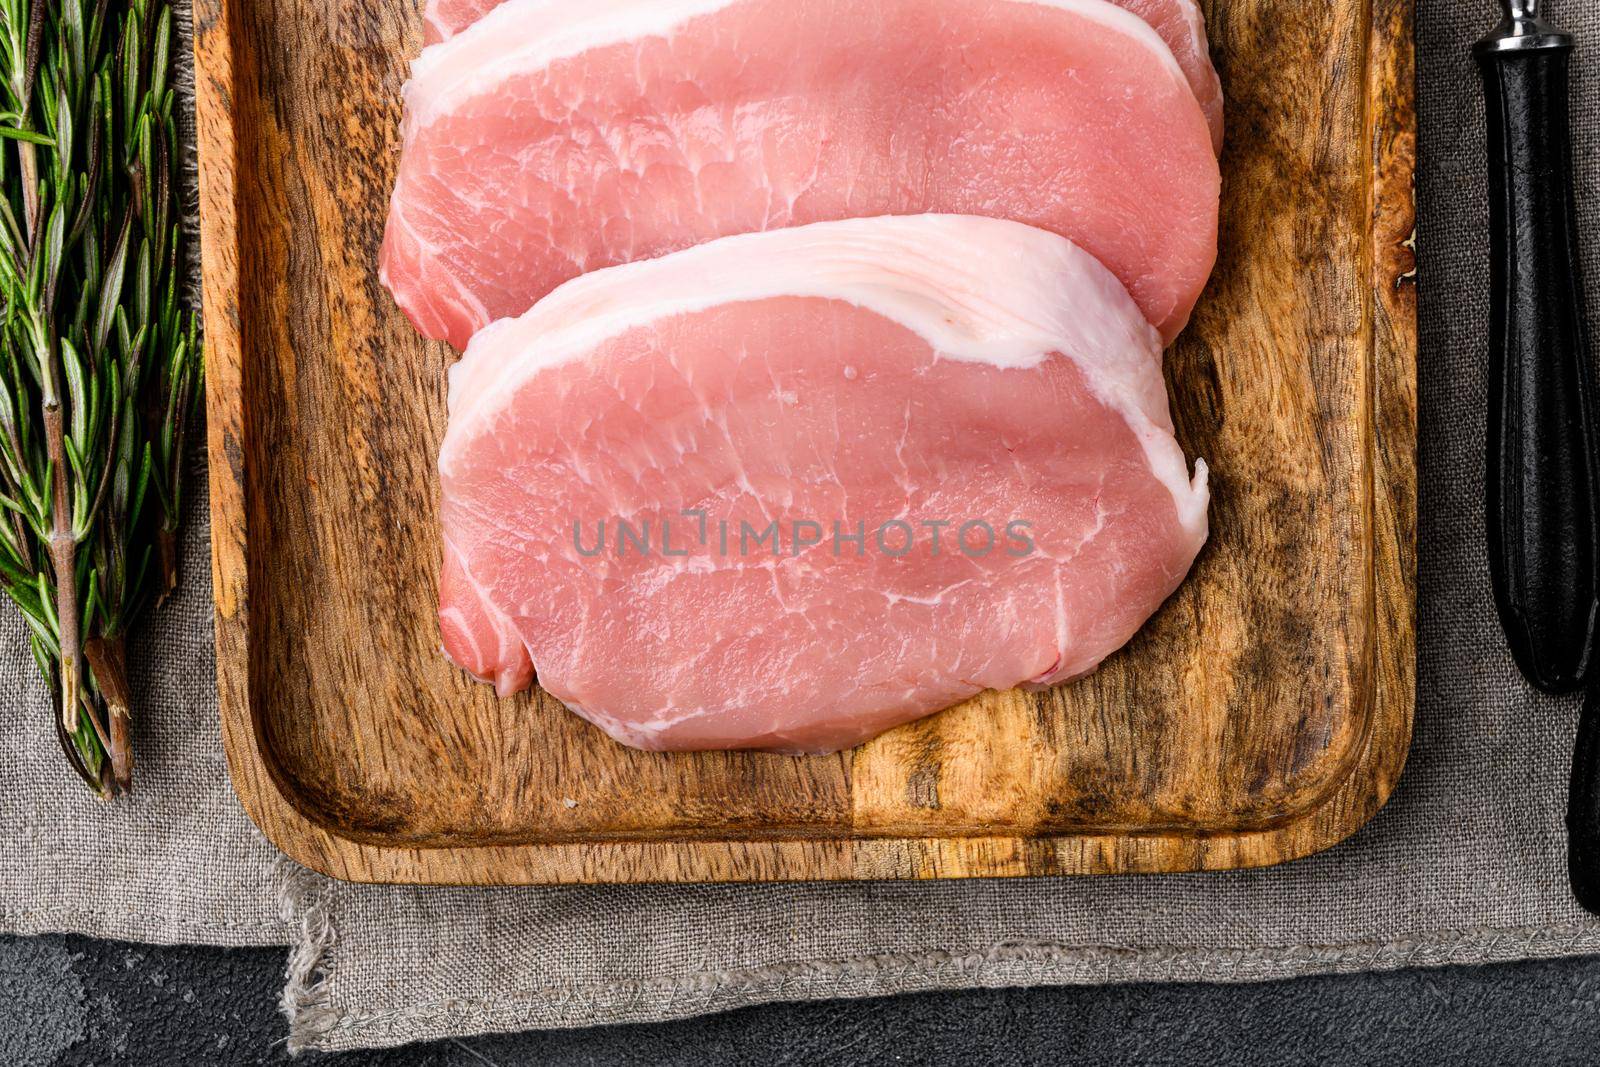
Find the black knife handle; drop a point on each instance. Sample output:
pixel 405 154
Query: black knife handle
pixel 1583 808
pixel 1543 531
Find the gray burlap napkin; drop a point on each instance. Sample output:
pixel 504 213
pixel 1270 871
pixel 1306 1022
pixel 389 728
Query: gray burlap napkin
pixel 1465 865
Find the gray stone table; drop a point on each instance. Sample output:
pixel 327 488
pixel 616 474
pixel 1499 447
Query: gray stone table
pixel 69 1000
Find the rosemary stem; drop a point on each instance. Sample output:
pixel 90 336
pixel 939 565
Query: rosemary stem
pixel 63 558
pixel 108 658
pixel 167 546
pixel 27 158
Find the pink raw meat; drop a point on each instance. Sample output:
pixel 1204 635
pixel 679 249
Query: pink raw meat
pixel 1183 26
pixel 1179 22
pixel 443 19
pixel 835 380
pixel 553 139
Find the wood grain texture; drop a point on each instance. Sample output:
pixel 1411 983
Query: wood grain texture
pixel 1264 714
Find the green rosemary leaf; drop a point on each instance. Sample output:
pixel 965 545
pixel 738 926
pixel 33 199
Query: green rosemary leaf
pixel 55 239
pixel 45 649
pixel 77 396
pixel 72 27
pixel 140 485
pixel 63 136
pixel 42 586
pixel 111 287
pixel 15 575
pixel 91 599
pixel 160 59
pixel 15 134
pixel 12 243
pixel 131 47
pixel 87 744
pixel 142 283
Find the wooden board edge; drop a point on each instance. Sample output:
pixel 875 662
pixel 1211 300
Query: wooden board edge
pixel 223 76
pixel 216 83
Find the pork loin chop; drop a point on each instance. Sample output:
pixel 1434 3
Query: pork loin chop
pixel 1180 23
pixel 788 490
pixel 556 138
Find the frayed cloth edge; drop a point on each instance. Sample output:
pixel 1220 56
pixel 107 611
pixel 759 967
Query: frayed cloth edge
pixel 315 1022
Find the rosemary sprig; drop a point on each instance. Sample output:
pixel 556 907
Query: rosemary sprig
pixel 100 368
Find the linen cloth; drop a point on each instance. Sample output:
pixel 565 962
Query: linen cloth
pixel 1465 864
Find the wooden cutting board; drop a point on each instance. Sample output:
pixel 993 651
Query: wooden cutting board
pixel 1264 714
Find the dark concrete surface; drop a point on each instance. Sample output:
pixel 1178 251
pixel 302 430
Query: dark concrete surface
pixel 70 1001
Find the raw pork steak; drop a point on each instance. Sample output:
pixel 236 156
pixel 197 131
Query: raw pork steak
pixel 1179 22
pixel 556 138
pixel 788 490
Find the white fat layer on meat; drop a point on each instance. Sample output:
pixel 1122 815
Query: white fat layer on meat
pixel 529 35
pixel 975 289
